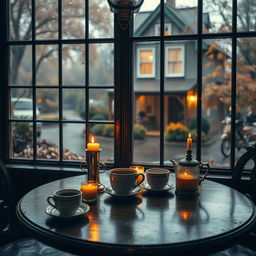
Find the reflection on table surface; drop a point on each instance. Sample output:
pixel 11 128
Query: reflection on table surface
pixel 147 219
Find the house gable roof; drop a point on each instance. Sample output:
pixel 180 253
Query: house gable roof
pixel 181 17
pixel 170 13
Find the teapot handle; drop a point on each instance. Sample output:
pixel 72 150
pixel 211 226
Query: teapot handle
pixel 207 171
pixel 174 163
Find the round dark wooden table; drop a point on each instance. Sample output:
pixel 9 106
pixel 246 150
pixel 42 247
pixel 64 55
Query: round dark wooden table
pixel 149 224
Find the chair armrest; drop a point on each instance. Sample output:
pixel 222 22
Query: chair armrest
pixel 4 218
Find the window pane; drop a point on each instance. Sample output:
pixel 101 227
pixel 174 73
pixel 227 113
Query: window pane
pixel 74 142
pixel 101 104
pixel 101 62
pixel 48 144
pixel 20 20
pixel 104 134
pixel 246 88
pixel 246 15
pixel 73 104
pixel 73 64
pixel 146 129
pixel 146 68
pixel 47 100
pixel 46 19
pixel 180 100
pixel 146 56
pixel 217 16
pixel 21 106
pixel 47 65
pixel 216 102
pixel 73 19
pixel 21 140
pixel 174 54
pixel 101 22
pixel 20 65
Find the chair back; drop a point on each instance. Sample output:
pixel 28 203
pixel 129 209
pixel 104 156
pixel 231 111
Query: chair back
pixel 240 168
pixel 7 206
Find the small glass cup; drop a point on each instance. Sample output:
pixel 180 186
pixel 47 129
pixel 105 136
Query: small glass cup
pixel 89 191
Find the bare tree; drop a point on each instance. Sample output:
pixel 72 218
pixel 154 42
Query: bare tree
pixel 46 25
pixel 221 17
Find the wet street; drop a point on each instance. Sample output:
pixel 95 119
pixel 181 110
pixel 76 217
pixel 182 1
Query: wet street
pixel 147 150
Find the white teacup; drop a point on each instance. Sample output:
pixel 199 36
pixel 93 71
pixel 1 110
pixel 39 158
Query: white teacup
pixel 157 178
pixel 66 201
pixel 123 180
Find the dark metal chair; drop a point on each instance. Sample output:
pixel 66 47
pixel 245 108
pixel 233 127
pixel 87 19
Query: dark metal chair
pixel 9 233
pixel 248 245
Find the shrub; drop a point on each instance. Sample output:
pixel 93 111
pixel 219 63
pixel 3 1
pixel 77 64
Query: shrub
pixel 97 129
pixel 100 116
pixel 139 132
pixel 176 132
pixel 22 136
pixel 108 130
pixel 194 135
pixel 205 125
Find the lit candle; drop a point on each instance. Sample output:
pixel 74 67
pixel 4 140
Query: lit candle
pixel 189 142
pixel 186 181
pixel 139 169
pixel 92 146
pixel 89 191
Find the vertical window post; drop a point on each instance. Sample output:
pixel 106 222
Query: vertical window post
pixel 124 95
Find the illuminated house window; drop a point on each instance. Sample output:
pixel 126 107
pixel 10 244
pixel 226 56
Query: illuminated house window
pixel 174 61
pixel 167 29
pixel 146 62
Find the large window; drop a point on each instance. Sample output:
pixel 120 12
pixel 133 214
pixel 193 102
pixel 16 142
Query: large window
pixel 57 99
pixel 187 66
pixel 199 83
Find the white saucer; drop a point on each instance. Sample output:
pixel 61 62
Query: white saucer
pixel 83 208
pixel 166 188
pixel 111 192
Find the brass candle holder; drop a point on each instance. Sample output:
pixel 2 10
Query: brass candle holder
pixel 94 167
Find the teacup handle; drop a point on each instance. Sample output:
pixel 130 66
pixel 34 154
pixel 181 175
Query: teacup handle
pixel 207 171
pixel 143 178
pixel 49 202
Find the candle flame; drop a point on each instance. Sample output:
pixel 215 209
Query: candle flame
pixel 189 135
pixel 185 215
pixel 92 139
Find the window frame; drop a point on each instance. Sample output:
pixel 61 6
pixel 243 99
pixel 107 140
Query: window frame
pixel 122 130
pixel 139 50
pixel 167 61
pixel 7 87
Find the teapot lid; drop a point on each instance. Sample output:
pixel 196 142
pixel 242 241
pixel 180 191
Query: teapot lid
pixel 188 160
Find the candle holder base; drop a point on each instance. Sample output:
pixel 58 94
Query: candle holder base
pixel 187 193
pixel 89 201
pixel 101 188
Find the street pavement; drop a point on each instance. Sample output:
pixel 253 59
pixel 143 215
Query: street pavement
pixel 147 150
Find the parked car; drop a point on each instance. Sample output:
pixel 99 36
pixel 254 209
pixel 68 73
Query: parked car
pixel 22 108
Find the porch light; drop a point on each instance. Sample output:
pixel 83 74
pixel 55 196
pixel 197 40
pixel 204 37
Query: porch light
pixel 124 9
pixel 192 99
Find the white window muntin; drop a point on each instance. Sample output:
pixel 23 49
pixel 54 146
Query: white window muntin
pixel 139 74
pixel 167 61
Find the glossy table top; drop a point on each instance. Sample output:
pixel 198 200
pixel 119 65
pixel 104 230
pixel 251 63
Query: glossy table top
pixel 145 223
